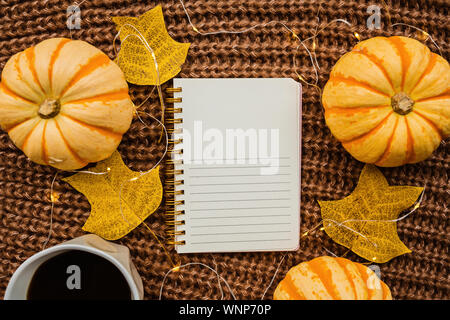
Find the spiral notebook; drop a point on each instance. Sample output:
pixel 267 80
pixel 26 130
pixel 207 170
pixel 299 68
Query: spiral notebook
pixel 236 152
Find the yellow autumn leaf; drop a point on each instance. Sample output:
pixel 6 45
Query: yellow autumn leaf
pixel 363 221
pixel 138 198
pixel 136 60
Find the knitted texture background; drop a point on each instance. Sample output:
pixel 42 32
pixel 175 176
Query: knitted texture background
pixel 328 171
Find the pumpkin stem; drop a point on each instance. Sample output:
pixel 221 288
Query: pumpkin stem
pixel 402 103
pixel 49 108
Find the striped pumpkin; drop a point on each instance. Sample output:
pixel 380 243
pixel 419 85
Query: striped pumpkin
pixel 388 101
pixel 327 278
pixel 64 103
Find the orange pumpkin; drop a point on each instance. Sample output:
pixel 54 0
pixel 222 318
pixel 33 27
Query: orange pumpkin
pixel 388 101
pixel 327 278
pixel 64 103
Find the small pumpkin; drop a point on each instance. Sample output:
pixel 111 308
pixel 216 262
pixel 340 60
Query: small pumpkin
pixel 388 101
pixel 64 103
pixel 328 278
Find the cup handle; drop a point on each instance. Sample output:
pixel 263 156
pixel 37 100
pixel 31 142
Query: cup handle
pixel 119 252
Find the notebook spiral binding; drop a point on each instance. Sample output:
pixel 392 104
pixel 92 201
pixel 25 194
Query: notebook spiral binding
pixel 173 187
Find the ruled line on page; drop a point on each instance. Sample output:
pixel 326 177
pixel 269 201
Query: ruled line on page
pixel 235 200
pixel 241 225
pixel 205 242
pixel 238 167
pixel 240 208
pixel 243 175
pixel 241 159
pixel 235 233
pixel 235 184
pixel 237 217
pixel 244 191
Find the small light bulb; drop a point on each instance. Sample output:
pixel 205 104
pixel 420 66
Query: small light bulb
pixel 357 36
pixel 176 269
pixel 195 29
pixel 374 258
pixel 422 35
pixel 321 229
pixel 300 77
pixel 54 197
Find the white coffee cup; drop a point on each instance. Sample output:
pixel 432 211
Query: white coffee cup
pixel 118 255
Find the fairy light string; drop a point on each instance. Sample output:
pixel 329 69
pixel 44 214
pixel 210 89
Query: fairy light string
pixel 342 224
pixel 141 174
pixel 139 35
pixel 421 34
pixel 53 198
pixel 218 278
pixel 315 65
pixel 164 133
pixel 295 36
pixel 196 264
pixel 425 34
pixel 274 276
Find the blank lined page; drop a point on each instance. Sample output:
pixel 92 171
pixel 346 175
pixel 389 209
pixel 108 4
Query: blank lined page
pixel 241 164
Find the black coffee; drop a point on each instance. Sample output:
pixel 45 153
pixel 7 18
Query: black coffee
pixel 78 275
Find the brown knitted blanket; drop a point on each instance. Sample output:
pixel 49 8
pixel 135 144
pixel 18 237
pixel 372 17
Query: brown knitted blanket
pixel 328 171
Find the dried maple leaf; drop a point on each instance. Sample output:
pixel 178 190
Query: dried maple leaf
pixel 135 58
pixel 363 221
pixel 140 198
